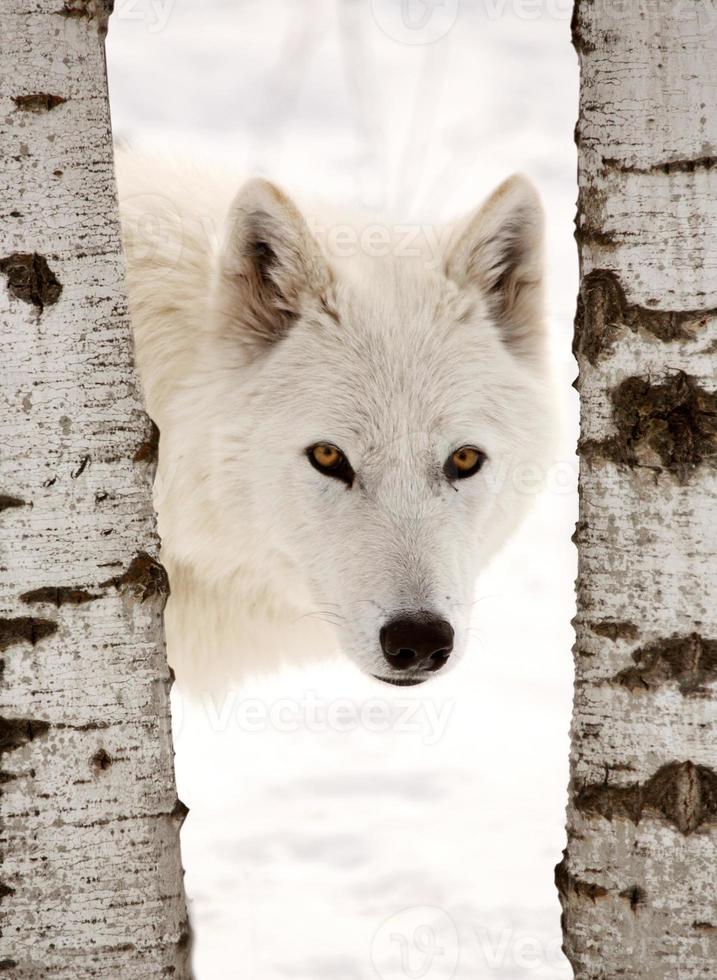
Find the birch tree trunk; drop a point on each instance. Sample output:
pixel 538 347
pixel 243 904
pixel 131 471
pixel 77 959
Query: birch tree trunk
pixel 637 882
pixel 91 883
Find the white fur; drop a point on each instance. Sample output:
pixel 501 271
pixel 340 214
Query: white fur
pixel 249 354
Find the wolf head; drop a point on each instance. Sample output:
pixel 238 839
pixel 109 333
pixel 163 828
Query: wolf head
pixel 383 416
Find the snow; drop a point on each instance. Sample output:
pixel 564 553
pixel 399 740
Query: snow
pixel 339 829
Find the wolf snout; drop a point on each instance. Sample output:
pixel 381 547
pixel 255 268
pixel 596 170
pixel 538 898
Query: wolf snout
pixel 418 642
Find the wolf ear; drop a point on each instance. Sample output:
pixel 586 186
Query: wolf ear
pixel 498 250
pixel 269 262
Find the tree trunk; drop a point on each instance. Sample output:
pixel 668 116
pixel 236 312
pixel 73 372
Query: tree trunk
pixel 637 882
pixel 91 884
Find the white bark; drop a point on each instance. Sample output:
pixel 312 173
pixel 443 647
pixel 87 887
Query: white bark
pixel 638 879
pixel 91 882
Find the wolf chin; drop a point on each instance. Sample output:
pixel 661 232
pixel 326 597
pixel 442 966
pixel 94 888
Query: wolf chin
pixel 343 429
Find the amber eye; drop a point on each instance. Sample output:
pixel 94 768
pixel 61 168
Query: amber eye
pixel 464 462
pixel 329 460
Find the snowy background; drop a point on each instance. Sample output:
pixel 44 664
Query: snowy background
pixel 341 830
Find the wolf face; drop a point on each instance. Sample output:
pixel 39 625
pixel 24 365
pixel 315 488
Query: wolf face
pixel 374 420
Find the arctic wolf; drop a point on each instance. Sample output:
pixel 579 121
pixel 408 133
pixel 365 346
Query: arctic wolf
pixel 347 410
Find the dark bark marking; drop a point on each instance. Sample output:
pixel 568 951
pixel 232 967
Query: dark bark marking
pixel 98 10
pixel 88 726
pixel 681 793
pixel 668 426
pixel 7 964
pixel 691 661
pixel 149 450
pixel 31 279
pixel 84 463
pixel 603 311
pixel 59 595
pixel 636 896
pixel 580 528
pixel 5 890
pixel 7 502
pixel 568 884
pixel 585 234
pixel 16 732
pixel 179 812
pixel 25 629
pixel 144 579
pixel 677 166
pixel 581 43
pixel 615 630
pixel 118 948
pixel 37 102
pixel 101 761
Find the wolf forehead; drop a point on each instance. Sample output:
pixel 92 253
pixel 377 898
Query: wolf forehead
pixel 373 371
pixel 410 345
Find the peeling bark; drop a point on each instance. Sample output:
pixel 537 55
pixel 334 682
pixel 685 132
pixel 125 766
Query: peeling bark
pixel 688 661
pixel 148 452
pixel 682 794
pixel 30 278
pixel 38 102
pixel 667 427
pixel 145 578
pixel 91 880
pixel 7 502
pixel 604 311
pixel 58 595
pixel 636 882
pixel 666 167
pixel 615 631
pixel 24 629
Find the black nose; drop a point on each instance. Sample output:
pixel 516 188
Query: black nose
pixel 420 641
